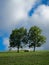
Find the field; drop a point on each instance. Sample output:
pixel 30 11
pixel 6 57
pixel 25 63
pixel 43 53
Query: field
pixel 24 58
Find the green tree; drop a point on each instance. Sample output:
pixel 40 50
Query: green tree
pixel 16 37
pixel 35 37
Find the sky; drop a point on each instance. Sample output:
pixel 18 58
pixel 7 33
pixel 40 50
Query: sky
pixel 23 13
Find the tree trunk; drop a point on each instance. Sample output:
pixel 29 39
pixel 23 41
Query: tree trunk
pixel 18 49
pixel 34 48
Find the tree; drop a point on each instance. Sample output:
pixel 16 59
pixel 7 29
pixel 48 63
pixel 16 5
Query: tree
pixel 35 37
pixel 16 37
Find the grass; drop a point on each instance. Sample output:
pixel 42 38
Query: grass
pixel 24 58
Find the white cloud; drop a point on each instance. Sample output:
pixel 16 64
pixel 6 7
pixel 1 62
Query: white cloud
pixel 13 11
pixel 14 14
pixel 6 43
pixel 42 15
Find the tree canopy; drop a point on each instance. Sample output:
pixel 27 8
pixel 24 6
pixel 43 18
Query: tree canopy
pixel 16 37
pixel 33 37
pixel 36 38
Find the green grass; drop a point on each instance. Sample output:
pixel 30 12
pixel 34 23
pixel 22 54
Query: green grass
pixel 24 58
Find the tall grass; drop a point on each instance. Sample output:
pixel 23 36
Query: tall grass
pixel 24 58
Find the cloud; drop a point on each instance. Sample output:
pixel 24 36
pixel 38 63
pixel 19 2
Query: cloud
pixel 6 43
pixel 14 13
pixel 42 13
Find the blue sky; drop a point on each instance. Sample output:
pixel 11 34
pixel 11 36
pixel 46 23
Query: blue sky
pixel 18 13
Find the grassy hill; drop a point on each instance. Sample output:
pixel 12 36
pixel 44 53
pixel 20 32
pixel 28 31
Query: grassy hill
pixel 24 58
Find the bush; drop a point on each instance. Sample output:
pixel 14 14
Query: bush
pixel 26 50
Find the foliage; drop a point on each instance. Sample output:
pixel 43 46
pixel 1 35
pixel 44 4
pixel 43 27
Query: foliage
pixel 36 38
pixel 33 37
pixel 16 37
